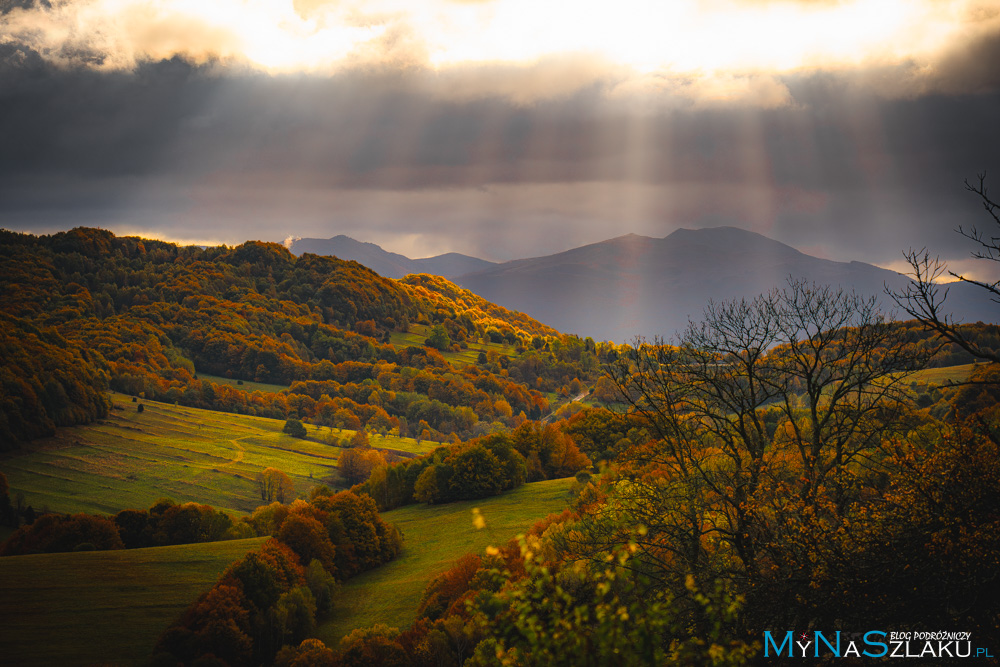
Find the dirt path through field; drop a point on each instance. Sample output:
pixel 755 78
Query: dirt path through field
pixel 239 455
pixel 241 452
pixel 549 417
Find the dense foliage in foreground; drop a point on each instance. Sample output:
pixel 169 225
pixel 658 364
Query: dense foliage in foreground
pixel 789 483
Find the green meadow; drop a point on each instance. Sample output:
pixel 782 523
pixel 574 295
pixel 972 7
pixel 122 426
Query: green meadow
pixel 131 459
pixel 417 335
pixel 103 607
pixel 943 376
pixel 245 385
pixel 112 606
pixel 435 536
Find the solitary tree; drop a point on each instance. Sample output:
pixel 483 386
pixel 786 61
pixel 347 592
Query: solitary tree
pixel 294 428
pixel 439 338
pixel 273 485
pixel 924 297
pixel 356 464
pixel 359 440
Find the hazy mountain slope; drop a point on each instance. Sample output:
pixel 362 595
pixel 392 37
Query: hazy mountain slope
pixel 390 264
pixel 449 265
pixel 382 262
pixel 636 285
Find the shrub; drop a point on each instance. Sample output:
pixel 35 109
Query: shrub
pixel 294 428
pixel 52 533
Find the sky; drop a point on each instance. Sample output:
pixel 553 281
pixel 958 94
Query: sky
pixel 503 128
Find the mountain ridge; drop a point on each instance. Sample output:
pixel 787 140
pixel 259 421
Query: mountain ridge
pixel 386 263
pixel 634 285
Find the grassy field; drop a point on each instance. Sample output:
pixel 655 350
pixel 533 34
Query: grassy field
pixel 102 607
pixel 111 606
pixel 418 334
pixel 435 536
pixel 131 459
pixel 245 385
pixel 943 375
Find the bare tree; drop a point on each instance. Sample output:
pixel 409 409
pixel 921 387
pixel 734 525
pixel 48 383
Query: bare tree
pixel 794 389
pixel 924 297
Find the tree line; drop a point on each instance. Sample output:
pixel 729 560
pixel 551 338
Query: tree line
pixel 478 468
pixel 270 597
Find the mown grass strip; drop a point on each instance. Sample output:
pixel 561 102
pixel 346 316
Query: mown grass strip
pixel 944 376
pixel 245 385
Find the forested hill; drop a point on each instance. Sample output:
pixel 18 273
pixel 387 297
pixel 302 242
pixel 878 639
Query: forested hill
pixel 84 310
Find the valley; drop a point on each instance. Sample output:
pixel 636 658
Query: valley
pixel 473 333
pixel 437 536
pixel 70 608
pixel 435 471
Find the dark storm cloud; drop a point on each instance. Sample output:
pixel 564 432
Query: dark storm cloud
pixel 89 123
pixel 203 152
pixel 7 6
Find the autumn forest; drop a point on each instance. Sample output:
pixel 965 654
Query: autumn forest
pixel 799 462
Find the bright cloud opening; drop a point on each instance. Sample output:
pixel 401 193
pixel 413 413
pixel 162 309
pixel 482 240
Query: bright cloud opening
pixel 713 40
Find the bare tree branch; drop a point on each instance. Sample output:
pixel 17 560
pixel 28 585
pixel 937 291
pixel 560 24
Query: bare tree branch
pixel 923 299
pixel 792 389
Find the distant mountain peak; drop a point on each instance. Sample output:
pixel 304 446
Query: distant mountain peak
pixel 389 264
pixel 343 238
pixel 720 232
pixel 632 284
pixel 637 286
pixel 631 236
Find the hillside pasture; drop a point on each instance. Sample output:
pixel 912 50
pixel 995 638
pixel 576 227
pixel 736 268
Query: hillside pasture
pixel 417 336
pixel 943 376
pixel 103 607
pixel 244 385
pixel 435 536
pixel 131 459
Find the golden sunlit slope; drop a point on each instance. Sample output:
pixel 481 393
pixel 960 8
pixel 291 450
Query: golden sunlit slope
pixel 131 458
pixel 435 292
pixel 312 333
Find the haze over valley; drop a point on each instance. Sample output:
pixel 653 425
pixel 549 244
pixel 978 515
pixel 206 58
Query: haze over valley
pixel 640 286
